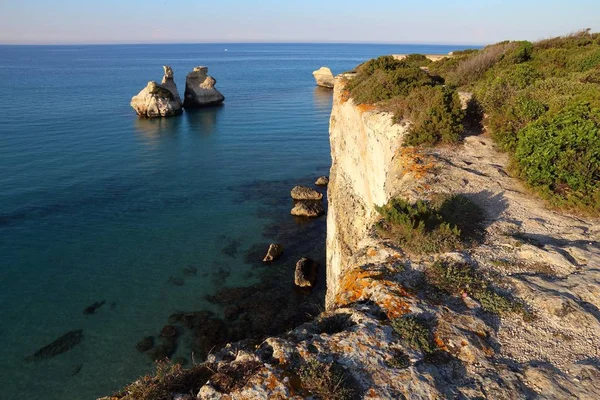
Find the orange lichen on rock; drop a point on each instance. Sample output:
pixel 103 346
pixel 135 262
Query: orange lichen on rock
pixel 412 160
pixel 353 286
pixel 439 342
pixel 344 96
pixel 366 107
pixel 372 252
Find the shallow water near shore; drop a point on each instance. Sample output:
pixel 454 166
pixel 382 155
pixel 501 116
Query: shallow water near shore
pixel 150 216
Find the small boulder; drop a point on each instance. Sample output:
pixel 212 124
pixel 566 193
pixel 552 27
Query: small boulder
pixel 200 89
pixel 273 253
pixel 158 100
pixel 322 181
pixel 306 273
pixel 309 209
pixel 304 193
pixel 324 77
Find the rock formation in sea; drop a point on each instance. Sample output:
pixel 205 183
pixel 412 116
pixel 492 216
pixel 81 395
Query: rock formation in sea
pixel 158 100
pixel 324 77
pixel 308 209
pixel 200 89
pixel 322 181
pixel 305 193
pixel 305 273
pixel 275 250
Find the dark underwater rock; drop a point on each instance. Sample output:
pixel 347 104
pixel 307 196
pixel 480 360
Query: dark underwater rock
pixel 169 331
pixel 145 344
pixel 189 270
pixel 92 309
pixel 63 344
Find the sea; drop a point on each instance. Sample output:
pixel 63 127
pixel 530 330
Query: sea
pixel 113 227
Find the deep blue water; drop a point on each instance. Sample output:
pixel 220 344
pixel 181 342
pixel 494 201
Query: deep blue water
pixel 96 204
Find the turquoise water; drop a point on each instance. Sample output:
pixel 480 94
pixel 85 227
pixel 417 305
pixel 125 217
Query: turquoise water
pixel 98 205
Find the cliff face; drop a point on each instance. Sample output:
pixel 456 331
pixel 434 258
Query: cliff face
pixel 364 173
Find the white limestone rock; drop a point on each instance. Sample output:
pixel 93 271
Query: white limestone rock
pixel 324 77
pixel 158 100
pixel 200 89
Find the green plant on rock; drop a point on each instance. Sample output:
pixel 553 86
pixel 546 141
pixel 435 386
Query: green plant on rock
pixel 446 223
pixel 456 278
pixel 415 331
pixel 327 381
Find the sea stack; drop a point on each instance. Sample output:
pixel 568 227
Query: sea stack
pixel 200 89
pixel 324 77
pixel 158 100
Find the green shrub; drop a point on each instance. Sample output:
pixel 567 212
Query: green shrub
pixel 560 156
pixel 429 227
pixel 384 78
pixel 457 278
pixel 435 114
pixel 415 331
pixel 327 381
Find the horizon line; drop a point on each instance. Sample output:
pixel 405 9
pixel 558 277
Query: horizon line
pixel 128 43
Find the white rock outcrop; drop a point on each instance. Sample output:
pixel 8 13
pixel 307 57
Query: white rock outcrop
pixel 158 100
pixel 324 77
pixel 200 89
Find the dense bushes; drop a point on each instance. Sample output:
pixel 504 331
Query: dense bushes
pixel 384 78
pixel 445 223
pixel 410 92
pixel 539 101
pixel 533 97
pixel 435 114
pixel 560 155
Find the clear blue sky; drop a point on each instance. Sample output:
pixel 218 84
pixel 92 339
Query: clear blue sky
pixel 379 21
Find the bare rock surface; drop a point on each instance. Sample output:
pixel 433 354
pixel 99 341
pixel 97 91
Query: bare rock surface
pixel 324 77
pixel 200 89
pixel 158 100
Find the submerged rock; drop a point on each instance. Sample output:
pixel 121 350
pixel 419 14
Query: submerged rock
pixel 304 193
pixel 92 309
pixel 158 100
pixel 169 331
pixel 324 77
pixel 145 344
pixel 200 89
pixel 275 250
pixel 306 272
pixel 322 181
pixel 64 343
pixel 309 209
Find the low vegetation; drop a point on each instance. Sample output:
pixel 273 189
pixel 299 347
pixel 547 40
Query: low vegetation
pixel 444 223
pixel 169 378
pixel 458 278
pixel 415 331
pixel 324 380
pixel 539 101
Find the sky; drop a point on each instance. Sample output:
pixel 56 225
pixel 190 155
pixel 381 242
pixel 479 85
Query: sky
pixel 371 21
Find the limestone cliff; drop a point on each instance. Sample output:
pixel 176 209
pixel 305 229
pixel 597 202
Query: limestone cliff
pixel 547 259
